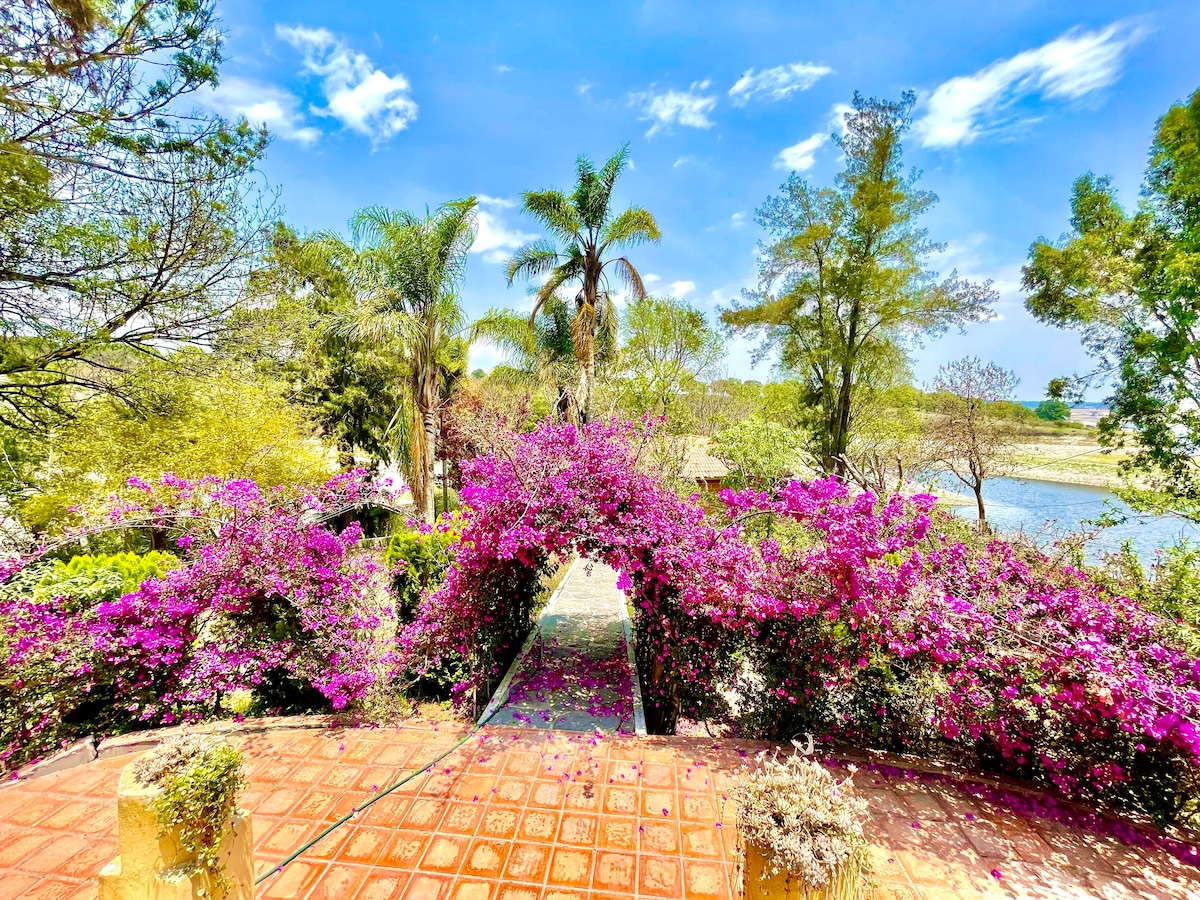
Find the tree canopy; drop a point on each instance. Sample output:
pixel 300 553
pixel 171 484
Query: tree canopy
pixel 844 285
pixel 127 222
pixel 1129 283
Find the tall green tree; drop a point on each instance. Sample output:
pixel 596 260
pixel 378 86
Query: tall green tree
pixel 586 235
pixel 844 285
pixel 1129 283
pixel 406 273
pixel 127 222
pixel 351 386
pixel 669 349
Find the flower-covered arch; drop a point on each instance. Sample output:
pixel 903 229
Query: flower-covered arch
pixel 562 490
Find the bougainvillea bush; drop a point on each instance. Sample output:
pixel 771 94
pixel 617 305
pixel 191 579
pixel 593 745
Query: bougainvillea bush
pixel 266 598
pixel 884 630
pixel 562 489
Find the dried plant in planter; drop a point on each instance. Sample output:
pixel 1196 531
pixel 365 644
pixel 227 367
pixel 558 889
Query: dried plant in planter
pixel 200 777
pixel 806 824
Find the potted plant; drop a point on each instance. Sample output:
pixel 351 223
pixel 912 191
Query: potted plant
pixel 181 834
pixel 802 831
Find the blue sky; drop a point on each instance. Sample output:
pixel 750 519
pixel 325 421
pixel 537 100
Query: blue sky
pixel 408 104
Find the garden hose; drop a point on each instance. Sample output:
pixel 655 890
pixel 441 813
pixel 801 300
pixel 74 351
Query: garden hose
pixel 425 769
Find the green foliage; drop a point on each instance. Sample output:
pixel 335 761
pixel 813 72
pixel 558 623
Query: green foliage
pixel 200 782
pixel 219 425
pixel 1053 411
pixel 1171 587
pixel 128 221
pixel 542 356
pixel 420 560
pixel 669 349
pixel 351 387
pixel 845 282
pixel 760 454
pixel 87 580
pixel 1128 283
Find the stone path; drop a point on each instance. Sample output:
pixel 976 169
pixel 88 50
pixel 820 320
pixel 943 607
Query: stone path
pixel 524 814
pixel 577 672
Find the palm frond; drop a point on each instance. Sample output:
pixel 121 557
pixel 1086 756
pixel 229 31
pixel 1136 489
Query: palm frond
pixel 632 227
pixel 534 259
pixel 555 212
pixel 629 276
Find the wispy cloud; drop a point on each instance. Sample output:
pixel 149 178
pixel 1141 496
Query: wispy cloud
pixel 737 220
pixel 260 103
pixel 779 83
pixel 495 239
pixel 503 70
pixel 671 107
pixel 1069 67
pixel 837 117
pixel 583 88
pixel 680 289
pixel 357 94
pixel 800 157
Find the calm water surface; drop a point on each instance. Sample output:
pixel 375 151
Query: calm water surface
pixel 1048 510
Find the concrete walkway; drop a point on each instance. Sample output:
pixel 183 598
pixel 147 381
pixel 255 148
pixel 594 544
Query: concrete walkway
pixel 576 673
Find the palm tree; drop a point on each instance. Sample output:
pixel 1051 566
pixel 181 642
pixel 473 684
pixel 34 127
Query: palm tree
pixel 587 233
pixel 543 357
pixel 406 273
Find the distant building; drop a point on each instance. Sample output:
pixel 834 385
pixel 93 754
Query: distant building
pixel 700 466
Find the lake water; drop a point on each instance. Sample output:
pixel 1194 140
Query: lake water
pixel 1049 509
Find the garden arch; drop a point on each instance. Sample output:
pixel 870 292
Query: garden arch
pixel 566 490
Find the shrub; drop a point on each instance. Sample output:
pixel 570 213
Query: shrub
pixel 200 779
pixel 419 559
pixel 805 822
pixel 1053 411
pixel 888 633
pixel 267 598
pixel 83 581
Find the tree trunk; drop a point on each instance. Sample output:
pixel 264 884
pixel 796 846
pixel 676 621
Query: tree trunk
pixel 983 524
pixel 587 377
pixel 427 505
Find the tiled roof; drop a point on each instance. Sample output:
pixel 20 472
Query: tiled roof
pixel 698 463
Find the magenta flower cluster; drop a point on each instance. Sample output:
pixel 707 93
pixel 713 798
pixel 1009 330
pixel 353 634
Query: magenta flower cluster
pixel 269 598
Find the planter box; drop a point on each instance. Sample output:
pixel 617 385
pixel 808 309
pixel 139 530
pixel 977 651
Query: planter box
pixel 153 866
pixel 788 887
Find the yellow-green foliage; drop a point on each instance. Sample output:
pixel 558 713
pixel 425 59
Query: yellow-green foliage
pixel 215 426
pixel 83 581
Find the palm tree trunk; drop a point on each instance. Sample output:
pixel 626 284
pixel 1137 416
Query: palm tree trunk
pixel 429 423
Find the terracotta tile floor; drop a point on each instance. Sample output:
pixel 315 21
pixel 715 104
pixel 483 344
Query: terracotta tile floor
pixel 522 815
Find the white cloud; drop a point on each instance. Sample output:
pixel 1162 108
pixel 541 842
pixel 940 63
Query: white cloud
pixel 261 103
pixel 503 70
pixel 778 83
pixel 837 117
pixel 494 238
pixel 800 157
pixel 737 220
pixel 650 278
pixel 583 88
pixel 690 107
pixel 360 96
pixel 1067 68
pixel 680 289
